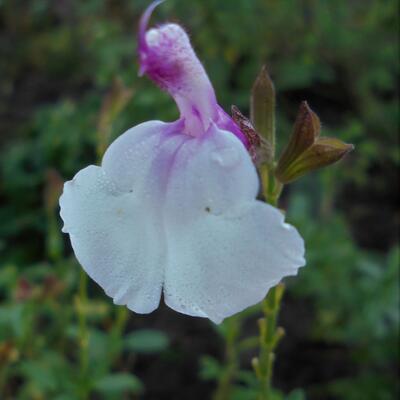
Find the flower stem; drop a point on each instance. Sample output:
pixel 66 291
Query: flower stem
pixel 81 304
pixel 270 336
pixel 224 387
pixel 117 332
pixel 272 188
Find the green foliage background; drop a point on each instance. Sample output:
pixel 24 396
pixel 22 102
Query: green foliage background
pixel 59 61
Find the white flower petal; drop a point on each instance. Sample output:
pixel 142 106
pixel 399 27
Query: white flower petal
pixel 115 225
pixel 213 172
pixel 225 249
pixel 116 239
pixel 115 220
pixel 129 158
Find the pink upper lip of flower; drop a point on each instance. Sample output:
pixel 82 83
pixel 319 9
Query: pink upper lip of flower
pixel 144 20
pixel 167 57
pixel 144 52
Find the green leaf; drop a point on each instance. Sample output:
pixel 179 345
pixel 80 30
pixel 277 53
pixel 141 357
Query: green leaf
pixel 51 372
pixel 242 393
pixel 210 368
pixel 8 276
pixel 297 394
pixel 146 341
pixel 118 383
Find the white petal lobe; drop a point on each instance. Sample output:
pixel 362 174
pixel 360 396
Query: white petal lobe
pixel 114 239
pixel 225 248
pixel 114 217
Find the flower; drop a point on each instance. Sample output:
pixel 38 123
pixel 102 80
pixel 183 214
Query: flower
pixel 173 207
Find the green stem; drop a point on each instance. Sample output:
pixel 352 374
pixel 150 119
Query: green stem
pixel 81 303
pixel 224 386
pixel 120 323
pixel 270 334
pixel 272 188
pixel 262 107
pixel 117 331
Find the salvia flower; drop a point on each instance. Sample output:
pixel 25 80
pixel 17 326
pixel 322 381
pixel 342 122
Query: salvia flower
pixel 172 209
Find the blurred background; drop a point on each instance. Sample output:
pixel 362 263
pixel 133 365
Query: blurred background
pixel 69 86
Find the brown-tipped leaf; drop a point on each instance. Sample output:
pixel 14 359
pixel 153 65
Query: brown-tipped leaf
pixel 306 130
pixel 262 107
pixel 325 151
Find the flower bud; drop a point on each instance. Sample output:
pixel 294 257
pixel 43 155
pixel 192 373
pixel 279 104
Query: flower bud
pixel 307 151
pixel 262 108
pixel 255 362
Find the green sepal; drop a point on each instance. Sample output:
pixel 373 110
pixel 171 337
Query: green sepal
pixel 307 151
pixel 262 108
